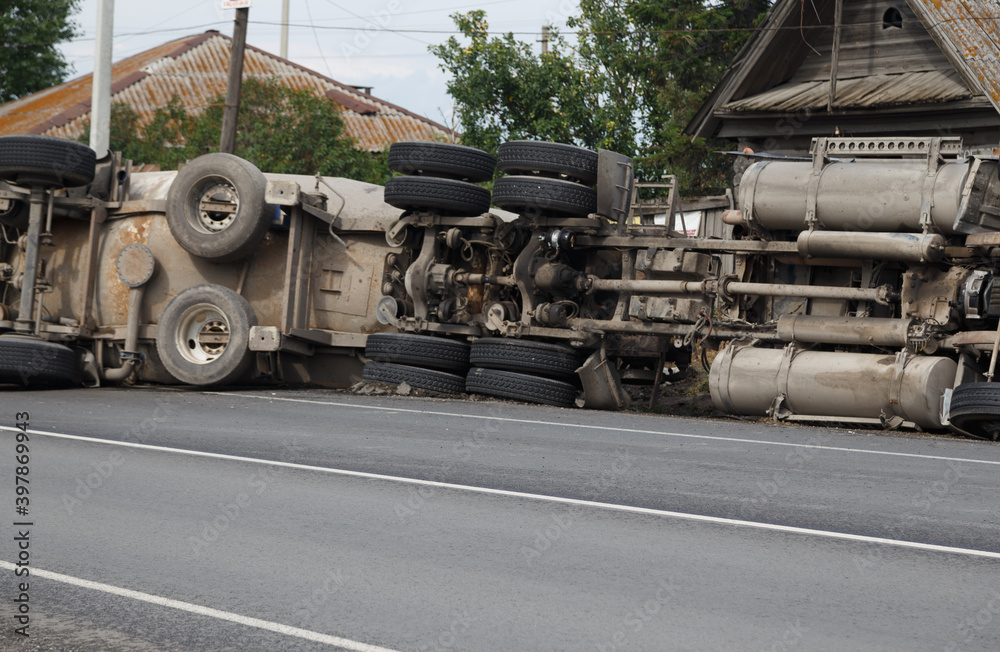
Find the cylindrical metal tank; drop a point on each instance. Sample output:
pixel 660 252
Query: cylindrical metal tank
pixel 820 329
pixel 856 196
pixel 745 380
pixel 910 247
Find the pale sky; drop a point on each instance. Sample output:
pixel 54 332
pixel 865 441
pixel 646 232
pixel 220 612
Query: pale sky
pixel 337 38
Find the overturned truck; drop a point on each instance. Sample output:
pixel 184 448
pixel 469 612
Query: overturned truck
pixel 856 286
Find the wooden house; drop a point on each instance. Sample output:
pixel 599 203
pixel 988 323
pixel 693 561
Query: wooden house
pixel 862 68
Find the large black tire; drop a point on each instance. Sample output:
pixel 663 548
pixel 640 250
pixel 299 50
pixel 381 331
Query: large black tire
pixel 520 387
pixel 46 161
pixel 548 159
pixel 441 160
pixel 216 208
pixel 541 358
pixel 975 409
pixel 30 361
pixel 538 195
pixel 17 215
pixel 203 336
pixel 430 379
pixel 419 351
pixel 440 195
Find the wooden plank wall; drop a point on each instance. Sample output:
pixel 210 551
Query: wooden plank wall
pixel 866 48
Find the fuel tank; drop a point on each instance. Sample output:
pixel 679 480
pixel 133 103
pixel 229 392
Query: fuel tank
pixel 867 196
pixel 746 380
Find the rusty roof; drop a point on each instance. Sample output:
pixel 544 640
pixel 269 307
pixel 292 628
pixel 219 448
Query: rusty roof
pixel 195 69
pixel 968 33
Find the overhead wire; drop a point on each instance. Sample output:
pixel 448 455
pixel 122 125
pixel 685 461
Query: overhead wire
pixel 453 31
pixel 329 71
pixel 369 19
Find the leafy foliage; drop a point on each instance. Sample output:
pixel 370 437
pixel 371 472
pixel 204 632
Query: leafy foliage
pixel 29 33
pixel 638 73
pixel 504 92
pixel 279 129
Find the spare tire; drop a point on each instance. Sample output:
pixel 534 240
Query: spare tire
pixel 216 208
pixel 46 161
pixel 441 160
pixel 203 336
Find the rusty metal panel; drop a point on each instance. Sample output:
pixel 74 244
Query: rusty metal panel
pixel 195 69
pixel 968 33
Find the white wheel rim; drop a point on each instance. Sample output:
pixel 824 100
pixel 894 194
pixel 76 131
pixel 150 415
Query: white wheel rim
pixel 202 334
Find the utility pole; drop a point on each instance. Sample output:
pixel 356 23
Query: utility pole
pixel 284 29
pixel 100 102
pixel 545 39
pixel 227 143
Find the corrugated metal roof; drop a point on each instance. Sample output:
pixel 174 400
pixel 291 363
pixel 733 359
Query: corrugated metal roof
pixel 859 93
pixel 195 69
pixel 969 34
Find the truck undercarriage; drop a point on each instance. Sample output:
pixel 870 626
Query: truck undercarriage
pixel 855 287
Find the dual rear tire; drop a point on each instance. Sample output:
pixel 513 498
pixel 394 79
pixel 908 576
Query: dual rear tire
pixel 535 372
pixel 439 177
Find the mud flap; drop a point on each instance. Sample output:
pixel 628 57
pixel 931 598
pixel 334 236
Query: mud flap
pixel 602 386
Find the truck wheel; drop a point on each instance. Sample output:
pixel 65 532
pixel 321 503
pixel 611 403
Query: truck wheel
pixel 541 358
pixel 30 361
pixel 441 195
pixel 975 409
pixel 441 160
pixel 203 335
pixel 46 161
pixel 216 209
pixel 419 351
pixel 395 374
pixel 535 195
pixel 520 387
pixel 548 159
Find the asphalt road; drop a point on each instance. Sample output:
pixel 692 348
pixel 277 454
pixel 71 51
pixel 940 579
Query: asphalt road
pixel 301 520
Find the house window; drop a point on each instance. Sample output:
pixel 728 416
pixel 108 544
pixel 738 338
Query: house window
pixel 892 18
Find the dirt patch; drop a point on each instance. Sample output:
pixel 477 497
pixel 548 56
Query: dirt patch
pixel 682 395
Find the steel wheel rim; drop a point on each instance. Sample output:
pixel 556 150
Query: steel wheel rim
pixel 202 334
pixel 215 207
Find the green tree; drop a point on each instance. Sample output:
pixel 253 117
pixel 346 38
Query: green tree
pixel 29 33
pixel 678 51
pixel 637 74
pixel 284 130
pixel 279 129
pixel 504 92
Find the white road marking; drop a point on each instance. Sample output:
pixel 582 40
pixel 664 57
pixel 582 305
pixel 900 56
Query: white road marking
pixel 537 497
pixel 584 426
pixel 204 611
